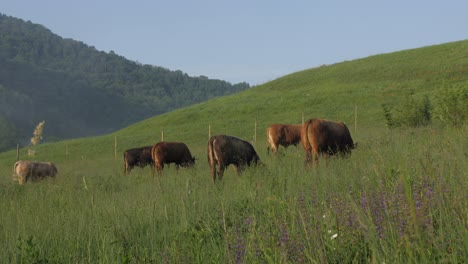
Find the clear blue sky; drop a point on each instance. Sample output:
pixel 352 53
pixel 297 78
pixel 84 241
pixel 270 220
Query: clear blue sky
pixel 248 40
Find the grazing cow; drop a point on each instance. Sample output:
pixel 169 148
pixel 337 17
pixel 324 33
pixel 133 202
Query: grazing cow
pixel 32 171
pixel 171 152
pixel 137 157
pixel 283 135
pixel 225 150
pixel 325 137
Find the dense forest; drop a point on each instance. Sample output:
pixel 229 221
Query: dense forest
pixel 80 91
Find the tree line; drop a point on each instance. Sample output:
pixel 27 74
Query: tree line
pixel 81 91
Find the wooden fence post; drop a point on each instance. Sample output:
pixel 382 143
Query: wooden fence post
pixel 209 132
pixel 302 118
pixel 17 152
pixel 162 135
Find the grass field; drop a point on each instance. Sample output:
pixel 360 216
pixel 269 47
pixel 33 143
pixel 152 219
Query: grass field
pixel 400 198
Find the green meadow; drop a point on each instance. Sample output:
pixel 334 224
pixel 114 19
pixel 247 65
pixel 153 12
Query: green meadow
pixel 399 198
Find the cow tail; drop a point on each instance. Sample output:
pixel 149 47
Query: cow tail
pixel 305 141
pixel 210 152
pixel 211 158
pixel 153 157
pixel 15 177
pixel 14 167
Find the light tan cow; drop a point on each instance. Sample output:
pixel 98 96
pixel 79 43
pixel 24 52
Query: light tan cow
pixel 283 135
pixel 26 170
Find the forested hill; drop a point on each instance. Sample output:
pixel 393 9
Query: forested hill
pixel 80 91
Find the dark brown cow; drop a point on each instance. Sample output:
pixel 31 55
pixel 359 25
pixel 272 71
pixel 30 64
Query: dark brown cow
pixel 171 152
pixel 283 135
pixel 32 170
pixel 325 137
pixel 137 157
pixel 225 150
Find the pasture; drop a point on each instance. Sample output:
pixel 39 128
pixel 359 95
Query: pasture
pixel 399 198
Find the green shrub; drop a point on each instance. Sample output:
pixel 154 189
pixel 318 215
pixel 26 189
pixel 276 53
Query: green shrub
pixel 451 105
pixel 414 112
pixel 389 122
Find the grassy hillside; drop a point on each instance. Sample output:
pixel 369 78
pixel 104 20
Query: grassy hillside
pixel 400 197
pixel 329 91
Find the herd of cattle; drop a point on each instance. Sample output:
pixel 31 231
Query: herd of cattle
pixel 317 136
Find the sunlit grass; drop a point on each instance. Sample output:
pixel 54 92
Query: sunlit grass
pixel 398 198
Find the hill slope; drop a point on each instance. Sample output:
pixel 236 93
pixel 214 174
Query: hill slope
pixel 330 92
pixel 81 91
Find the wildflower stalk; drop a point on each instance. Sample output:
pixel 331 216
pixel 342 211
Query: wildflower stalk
pixel 38 132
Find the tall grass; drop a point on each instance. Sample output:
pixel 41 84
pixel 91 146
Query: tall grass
pixel 400 198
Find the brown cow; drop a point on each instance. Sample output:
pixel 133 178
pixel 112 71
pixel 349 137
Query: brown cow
pixel 137 157
pixel 225 150
pixel 171 152
pixel 320 136
pixel 32 171
pixel 283 135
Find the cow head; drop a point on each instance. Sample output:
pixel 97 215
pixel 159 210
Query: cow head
pixel 255 160
pixel 189 163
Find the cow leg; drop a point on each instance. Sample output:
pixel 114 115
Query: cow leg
pixel 316 158
pixel 213 171
pixel 274 148
pixel 31 176
pixel 237 169
pixel 160 167
pixel 308 157
pixel 21 179
pixel 157 167
pixel 221 169
pixel 326 156
pixel 128 169
pixel 153 169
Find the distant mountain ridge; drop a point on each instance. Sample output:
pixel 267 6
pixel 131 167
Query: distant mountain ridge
pixel 81 91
